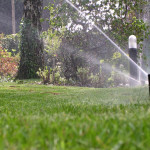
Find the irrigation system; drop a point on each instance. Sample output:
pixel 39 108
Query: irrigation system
pixel 108 38
pixel 132 49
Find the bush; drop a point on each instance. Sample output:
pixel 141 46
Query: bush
pixel 83 76
pixel 117 80
pixel 11 43
pixel 51 76
pixel 8 64
pixel 44 75
pixel 99 80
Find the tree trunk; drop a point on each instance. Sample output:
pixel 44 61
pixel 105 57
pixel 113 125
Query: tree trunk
pixel 31 44
pixel 13 17
pixel 146 43
pixel 53 72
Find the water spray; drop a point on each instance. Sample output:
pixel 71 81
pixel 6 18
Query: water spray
pixel 111 41
pixel 108 67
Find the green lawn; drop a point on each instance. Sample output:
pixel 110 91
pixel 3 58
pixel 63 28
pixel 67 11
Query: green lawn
pixel 38 117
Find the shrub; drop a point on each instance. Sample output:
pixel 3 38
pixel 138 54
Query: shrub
pixel 11 43
pixel 83 76
pixel 44 75
pixel 8 64
pixel 99 80
pixel 51 76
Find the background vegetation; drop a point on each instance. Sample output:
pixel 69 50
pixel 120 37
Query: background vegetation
pixel 70 51
pixel 75 53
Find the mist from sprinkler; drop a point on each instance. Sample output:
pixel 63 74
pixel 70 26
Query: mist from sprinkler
pixel 106 66
pixel 108 38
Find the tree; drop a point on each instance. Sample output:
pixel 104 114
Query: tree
pixel 31 43
pixel 146 43
pixel 81 42
pixel 13 17
pixel 52 41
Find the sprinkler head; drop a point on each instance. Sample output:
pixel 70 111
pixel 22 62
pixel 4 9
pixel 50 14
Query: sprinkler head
pixel 149 79
pixel 149 83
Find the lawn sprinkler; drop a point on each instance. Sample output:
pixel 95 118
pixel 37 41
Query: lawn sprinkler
pixel 149 83
pixel 134 57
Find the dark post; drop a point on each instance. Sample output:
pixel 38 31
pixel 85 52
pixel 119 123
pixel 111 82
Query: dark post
pixel 134 56
pixel 149 83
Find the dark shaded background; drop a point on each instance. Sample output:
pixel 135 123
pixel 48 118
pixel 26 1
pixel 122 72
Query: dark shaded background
pixel 6 15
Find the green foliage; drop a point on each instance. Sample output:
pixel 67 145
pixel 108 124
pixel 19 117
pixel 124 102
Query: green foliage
pixel 52 40
pixel 55 19
pixel 133 27
pixel 11 43
pixel 116 55
pixel 44 75
pixel 8 65
pixel 119 19
pixel 99 80
pixel 58 14
pixel 102 79
pixel 83 76
pixel 117 59
pixel 48 78
pixel 117 80
pixel 31 51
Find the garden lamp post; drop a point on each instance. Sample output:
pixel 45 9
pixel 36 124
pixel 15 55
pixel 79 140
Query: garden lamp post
pixel 133 56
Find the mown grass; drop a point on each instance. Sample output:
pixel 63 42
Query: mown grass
pixel 39 117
